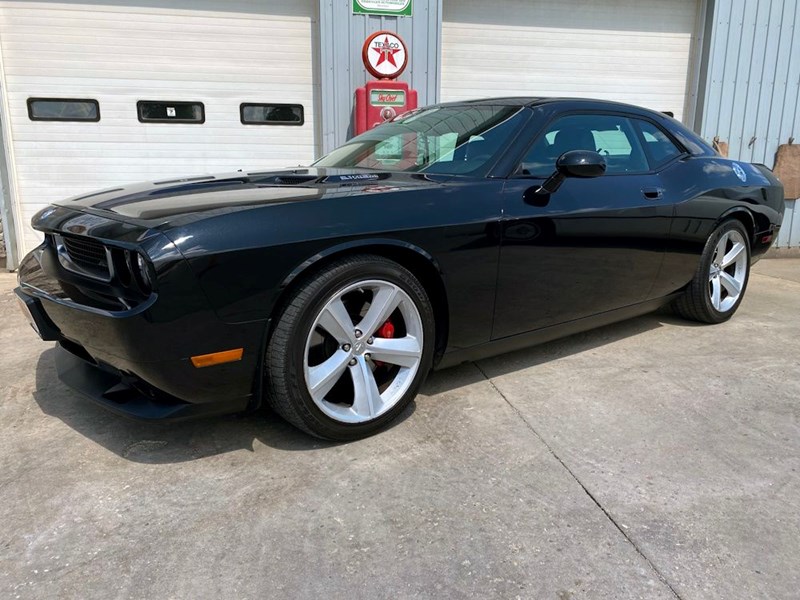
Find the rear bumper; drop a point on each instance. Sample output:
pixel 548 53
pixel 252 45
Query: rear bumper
pixel 763 241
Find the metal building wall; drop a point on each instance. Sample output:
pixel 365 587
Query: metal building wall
pixel 342 36
pixel 753 79
pixel 752 85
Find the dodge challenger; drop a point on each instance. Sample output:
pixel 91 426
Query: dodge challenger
pixel 452 233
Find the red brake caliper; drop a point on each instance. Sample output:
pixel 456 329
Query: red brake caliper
pixel 386 331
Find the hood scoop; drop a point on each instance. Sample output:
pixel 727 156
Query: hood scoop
pixel 294 179
pixel 355 178
pixel 300 178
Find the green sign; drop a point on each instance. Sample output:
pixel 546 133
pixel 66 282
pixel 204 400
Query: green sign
pixel 387 98
pixel 397 8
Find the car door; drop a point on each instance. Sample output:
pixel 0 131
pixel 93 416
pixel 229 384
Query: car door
pixel 593 245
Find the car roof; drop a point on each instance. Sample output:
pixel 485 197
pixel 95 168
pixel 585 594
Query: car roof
pixel 689 139
pixel 532 101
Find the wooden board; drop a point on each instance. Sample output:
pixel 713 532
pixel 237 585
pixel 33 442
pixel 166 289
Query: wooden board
pixel 787 169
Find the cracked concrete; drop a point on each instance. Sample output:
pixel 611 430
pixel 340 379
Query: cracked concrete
pixel 649 459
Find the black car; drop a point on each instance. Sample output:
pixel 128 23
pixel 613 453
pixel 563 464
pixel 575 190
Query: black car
pixel 454 232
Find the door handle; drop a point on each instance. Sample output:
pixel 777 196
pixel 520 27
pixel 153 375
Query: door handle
pixel 653 193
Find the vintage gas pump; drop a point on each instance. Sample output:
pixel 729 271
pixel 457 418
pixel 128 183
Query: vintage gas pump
pixel 385 57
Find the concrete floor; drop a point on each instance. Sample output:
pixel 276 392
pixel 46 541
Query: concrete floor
pixel 650 459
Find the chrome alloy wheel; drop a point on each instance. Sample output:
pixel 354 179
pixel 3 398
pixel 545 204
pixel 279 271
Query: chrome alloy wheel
pixel 726 277
pixel 373 331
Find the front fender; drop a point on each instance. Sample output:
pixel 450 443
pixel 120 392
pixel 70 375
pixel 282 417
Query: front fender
pixel 367 244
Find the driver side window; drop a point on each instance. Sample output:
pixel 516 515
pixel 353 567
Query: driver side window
pixel 610 135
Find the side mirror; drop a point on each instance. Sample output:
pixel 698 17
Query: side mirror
pixel 581 163
pixel 575 163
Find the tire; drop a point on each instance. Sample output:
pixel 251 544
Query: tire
pixel 320 368
pixel 711 297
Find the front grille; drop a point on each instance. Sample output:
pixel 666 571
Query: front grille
pixel 86 252
pixel 99 275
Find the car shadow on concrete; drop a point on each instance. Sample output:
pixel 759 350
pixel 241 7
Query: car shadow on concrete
pixel 544 353
pixel 159 443
pixel 163 443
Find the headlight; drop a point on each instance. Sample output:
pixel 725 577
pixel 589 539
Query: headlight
pixel 136 272
pixel 142 273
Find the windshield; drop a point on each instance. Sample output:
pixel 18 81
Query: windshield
pixel 453 140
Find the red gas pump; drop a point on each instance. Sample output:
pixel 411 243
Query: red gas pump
pixel 385 57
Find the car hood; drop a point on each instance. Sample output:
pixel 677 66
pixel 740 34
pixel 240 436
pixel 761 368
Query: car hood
pixel 164 200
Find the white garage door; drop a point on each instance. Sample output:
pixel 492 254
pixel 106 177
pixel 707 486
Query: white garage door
pixel 635 51
pixel 119 52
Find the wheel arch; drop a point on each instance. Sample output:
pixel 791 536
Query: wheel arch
pixel 421 263
pixel 744 216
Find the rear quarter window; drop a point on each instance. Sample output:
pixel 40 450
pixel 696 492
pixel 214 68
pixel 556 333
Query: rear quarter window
pixel 659 147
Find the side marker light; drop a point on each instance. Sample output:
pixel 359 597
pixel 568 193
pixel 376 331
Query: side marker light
pixel 217 358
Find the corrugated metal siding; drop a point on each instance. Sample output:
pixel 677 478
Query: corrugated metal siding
pixel 789 236
pixel 752 89
pixel 342 36
pixel 122 51
pixel 753 82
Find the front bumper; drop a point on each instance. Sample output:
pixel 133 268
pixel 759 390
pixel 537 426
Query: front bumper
pixel 137 362
pixel 126 395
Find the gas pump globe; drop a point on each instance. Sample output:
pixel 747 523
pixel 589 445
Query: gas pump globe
pixel 385 57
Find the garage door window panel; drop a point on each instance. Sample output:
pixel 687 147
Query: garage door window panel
pixel 63 109
pixel 159 111
pixel 612 136
pixel 271 114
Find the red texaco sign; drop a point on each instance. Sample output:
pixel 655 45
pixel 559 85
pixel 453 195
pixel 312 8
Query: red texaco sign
pixel 385 55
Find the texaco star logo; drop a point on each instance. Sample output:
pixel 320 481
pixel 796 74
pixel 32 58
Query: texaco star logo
pixel 386 51
pixel 385 55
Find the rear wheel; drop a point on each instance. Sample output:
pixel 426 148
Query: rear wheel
pixel 721 278
pixel 350 349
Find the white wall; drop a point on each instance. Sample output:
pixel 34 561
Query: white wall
pixel 635 51
pixel 118 52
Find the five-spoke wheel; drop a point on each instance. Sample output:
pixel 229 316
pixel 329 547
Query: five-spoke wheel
pixel 728 270
pixel 350 336
pixel 351 348
pixel 721 278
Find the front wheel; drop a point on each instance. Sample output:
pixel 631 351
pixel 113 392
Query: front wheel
pixel 350 349
pixel 721 278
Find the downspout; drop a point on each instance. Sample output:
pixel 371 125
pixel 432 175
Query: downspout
pixel 10 212
pixel 707 11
